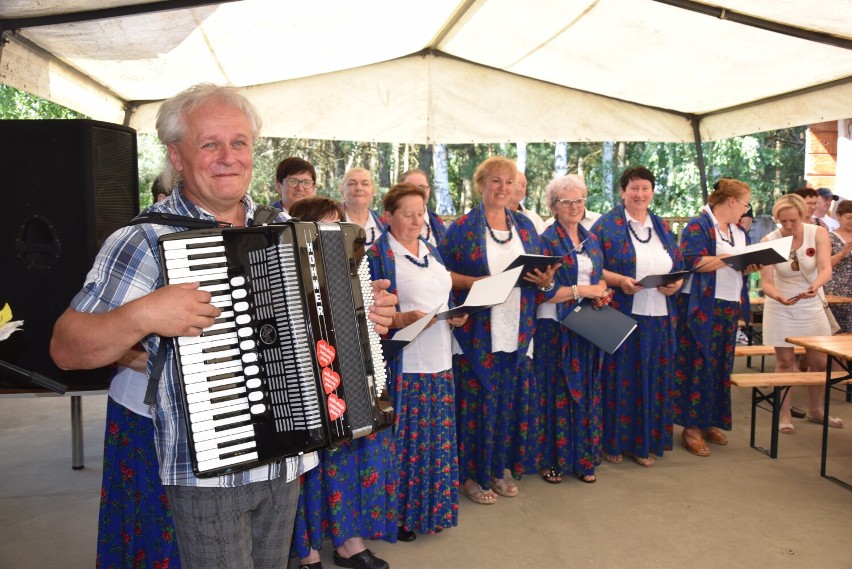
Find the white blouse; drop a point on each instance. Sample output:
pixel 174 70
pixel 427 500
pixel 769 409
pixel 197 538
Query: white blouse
pixel 652 258
pixel 423 288
pixel 506 317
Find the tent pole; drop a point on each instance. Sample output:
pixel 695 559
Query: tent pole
pixel 699 154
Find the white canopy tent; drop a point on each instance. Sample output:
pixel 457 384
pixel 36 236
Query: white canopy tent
pixel 448 71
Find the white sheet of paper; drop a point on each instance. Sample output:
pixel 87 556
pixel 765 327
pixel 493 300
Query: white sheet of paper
pixel 782 245
pixel 411 331
pixel 493 290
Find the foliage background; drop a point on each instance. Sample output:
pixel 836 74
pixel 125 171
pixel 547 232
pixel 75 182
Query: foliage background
pixel 771 162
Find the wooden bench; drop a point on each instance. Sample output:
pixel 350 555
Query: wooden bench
pixel 760 351
pixel 772 388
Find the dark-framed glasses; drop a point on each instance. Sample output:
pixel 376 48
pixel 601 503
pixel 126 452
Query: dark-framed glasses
pixel 293 182
pixel 579 202
pixel 747 204
pixel 794 260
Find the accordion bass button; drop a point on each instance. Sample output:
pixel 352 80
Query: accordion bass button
pixel 247 345
pixel 253 383
pixel 251 370
pixel 255 396
pixel 238 281
pixel 243 319
pixel 239 293
pixel 257 409
pixel 241 306
pixel 245 332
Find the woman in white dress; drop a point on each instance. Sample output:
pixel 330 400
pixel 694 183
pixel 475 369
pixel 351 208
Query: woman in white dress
pixel 794 304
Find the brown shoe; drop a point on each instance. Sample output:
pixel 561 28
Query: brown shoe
pixel 715 436
pixel 696 446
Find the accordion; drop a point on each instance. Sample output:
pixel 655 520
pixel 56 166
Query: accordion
pixel 292 364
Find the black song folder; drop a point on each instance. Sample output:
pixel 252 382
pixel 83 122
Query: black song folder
pixel 763 253
pixel 605 327
pixel 530 262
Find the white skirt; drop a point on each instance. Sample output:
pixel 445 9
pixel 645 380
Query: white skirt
pixel 805 318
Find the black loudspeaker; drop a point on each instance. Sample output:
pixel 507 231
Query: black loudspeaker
pixel 65 186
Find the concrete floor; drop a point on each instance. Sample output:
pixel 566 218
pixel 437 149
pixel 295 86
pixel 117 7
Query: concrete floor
pixel 735 509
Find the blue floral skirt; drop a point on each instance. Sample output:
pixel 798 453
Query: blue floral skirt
pixel 135 528
pixel 637 407
pixel 427 452
pixel 702 387
pixel 351 493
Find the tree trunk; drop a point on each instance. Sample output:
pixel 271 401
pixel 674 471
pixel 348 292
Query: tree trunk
pixel 441 182
pixel 606 166
pixel 561 166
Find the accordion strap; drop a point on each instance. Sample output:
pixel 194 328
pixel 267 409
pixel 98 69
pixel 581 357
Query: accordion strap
pixel 263 214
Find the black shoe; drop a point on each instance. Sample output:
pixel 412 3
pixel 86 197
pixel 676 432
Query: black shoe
pixel 364 560
pixel 797 413
pixel 405 535
pixel 314 565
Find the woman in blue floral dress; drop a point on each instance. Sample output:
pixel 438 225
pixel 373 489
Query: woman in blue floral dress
pixel 422 387
pixel 709 306
pixel 351 494
pixel 568 365
pixel 637 379
pixel 496 396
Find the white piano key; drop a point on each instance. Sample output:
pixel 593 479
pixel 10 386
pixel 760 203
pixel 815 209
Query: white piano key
pixel 205 375
pixel 243 319
pixel 249 358
pixel 258 409
pixel 199 426
pixel 198 368
pixel 202 388
pixel 247 345
pixel 251 370
pixel 205 357
pixel 255 396
pixel 241 306
pixel 184 243
pixel 204 279
pixel 197 408
pixel 222 302
pixel 239 293
pixel 231 461
pixel 253 383
pixel 215 454
pixel 236 433
pixel 197 274
pixel 238 280
pixel 208 435
pixel 170 254
pixel 174 265
pixel 193 340
pixel 212 342
pixel 244 332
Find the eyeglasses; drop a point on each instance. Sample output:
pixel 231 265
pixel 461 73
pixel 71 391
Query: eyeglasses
pixel 747 204
pixel 579 202
pixel 794 261
pixel 293 182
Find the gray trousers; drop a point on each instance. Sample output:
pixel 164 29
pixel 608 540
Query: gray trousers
pixel 247 527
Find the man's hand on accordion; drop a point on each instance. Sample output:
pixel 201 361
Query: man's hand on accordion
pixel 180 310
pixel 384 306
